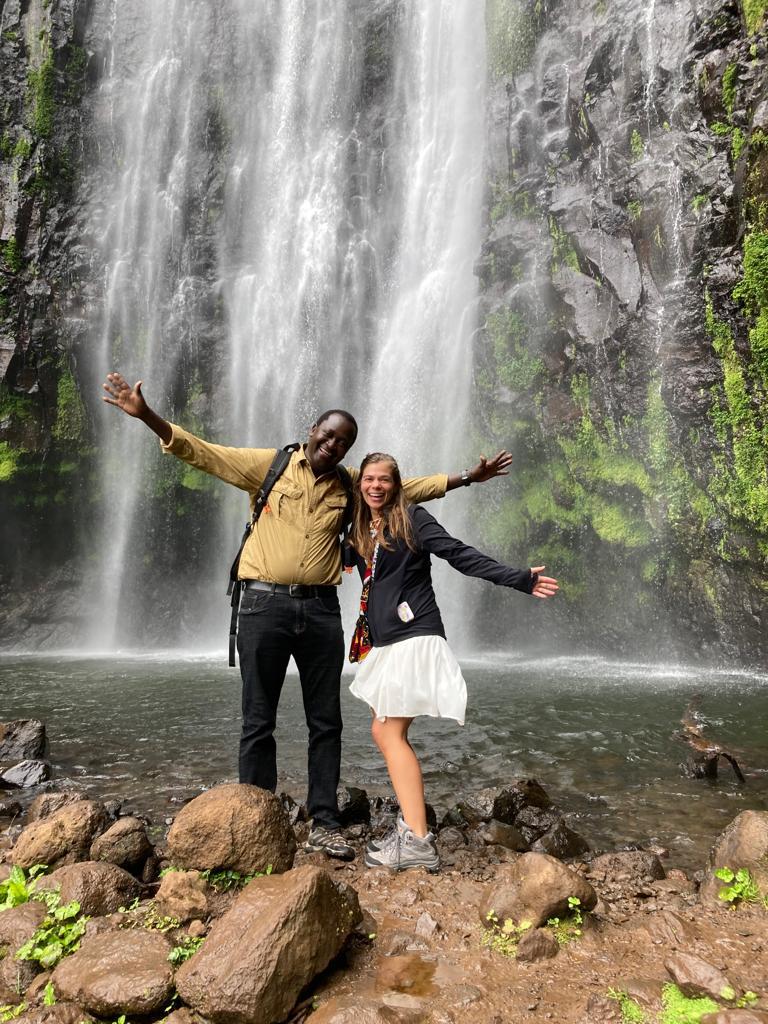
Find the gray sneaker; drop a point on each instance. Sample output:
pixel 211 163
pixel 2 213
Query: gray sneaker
pixel 376 844
pixel 404 849
pixel 330 842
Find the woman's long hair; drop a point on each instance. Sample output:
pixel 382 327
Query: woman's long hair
pixel 394 515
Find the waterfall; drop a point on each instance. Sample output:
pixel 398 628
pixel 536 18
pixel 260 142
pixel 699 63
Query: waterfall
pixel 285 231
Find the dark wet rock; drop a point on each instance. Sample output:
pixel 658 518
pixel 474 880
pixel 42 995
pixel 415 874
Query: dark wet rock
pixel 98 887
pixel 462 815
pixel 122 972
pixel 150 870
pixel 234 827
pixel 35 992
pixel 63 837
pixel 534 888
pixel 296 812
pixel 21 740
pixel 182 894
pixel 561 842
pixel 450 839
pixel 496 833
pixel 533 822
pixel 536 944
pixel 354 808
pixel 47 803
pixel 26 774
pixel 742 844
pixel 695 977
pixel 125 843
pixel 601 1009
pixel 182 1016
pixel 280 932
pixel 9 808
pixel 509 801
pixel 625 869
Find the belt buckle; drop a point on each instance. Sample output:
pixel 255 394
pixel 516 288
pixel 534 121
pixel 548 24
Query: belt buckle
pixel 296 589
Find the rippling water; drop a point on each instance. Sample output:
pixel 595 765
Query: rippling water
pixel 600 736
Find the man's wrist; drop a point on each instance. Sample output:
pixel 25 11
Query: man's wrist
pixel 466 478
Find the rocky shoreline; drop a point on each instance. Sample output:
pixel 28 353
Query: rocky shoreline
pixel 226 919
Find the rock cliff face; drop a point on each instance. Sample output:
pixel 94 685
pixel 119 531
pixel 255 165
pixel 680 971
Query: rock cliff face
pixel 622 343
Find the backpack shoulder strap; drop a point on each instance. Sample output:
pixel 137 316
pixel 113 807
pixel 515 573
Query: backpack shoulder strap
pixel 275 471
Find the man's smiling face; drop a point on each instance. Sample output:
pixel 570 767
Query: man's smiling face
pixel 329 441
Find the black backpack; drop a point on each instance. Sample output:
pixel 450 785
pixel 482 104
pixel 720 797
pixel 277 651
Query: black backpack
pixel 275 471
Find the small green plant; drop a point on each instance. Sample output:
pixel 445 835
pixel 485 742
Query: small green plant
pixel 636 144
pixel 738 141
pixel 631 1011
pixel 729 87
pixel 740 887
pixel 699 201
pixel 679 1009
pixel 19 887
pixel 49 995
pixel 12 255
pixel 635 209
pixel 503 938
pixel 568 928
pixel 9 1012
pixel 719 128
pixel 185 949
pixel 59 934
pixel 222 881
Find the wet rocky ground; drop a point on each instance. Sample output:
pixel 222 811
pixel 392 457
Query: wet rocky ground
pixel 522 922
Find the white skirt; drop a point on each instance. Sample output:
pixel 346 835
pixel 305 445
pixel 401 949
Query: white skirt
pixel 417 676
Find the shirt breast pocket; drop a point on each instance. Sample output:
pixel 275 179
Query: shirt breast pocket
pixel 331 512
pixel 285 502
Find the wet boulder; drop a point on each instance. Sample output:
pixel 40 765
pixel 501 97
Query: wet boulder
pixel 354 808
pixel 9 808
pixel 98 887
pixel 17 926
pixel 533 822
pixel 47 803
pixel 59 1013
pixel 508 802
pixel 696 977
pixel 536 944
pixel 625 870
pixel 743 844
pixel 24 738
pixel 26 774
pixel 534 888
pixel 121 972
pixel 281 931
pixel 233 827
pixel 496 833
pixel 182 895
pixel 125 843
pixel 63 837
pixel 561 842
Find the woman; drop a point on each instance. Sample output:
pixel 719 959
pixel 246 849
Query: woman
pixel 407 667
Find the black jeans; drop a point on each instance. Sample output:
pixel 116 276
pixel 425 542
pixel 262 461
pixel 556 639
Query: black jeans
pixel 271 628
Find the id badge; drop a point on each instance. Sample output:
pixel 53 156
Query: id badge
pixel 404 612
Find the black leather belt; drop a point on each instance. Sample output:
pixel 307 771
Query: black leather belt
pixel 299 590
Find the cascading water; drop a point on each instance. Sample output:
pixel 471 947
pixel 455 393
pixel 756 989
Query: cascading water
pixel 283 236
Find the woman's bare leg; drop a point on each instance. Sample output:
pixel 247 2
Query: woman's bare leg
pixel 391 737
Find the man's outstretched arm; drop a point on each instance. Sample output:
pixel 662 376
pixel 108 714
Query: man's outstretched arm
pixel 130 399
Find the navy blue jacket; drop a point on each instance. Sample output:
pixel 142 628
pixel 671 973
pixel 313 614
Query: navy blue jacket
pixel 405 575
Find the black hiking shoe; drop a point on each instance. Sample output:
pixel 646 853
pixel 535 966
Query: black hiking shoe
pixel 330 842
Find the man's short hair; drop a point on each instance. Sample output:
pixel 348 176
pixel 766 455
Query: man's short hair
pixel 337 412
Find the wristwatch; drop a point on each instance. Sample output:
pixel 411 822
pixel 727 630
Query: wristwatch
pixel 466 479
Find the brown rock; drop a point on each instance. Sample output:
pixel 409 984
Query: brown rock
pixel 743 844
pixel 19 924
pixel 233 827
pixel 695 977
pixel 124 972
pixel 15 978
pixel 667 929
pixel 534 888
pixel 99 888
pixel 365 1011
pixel 36 990
pixel 182 1016
pixel 59 1013
pixel 63 837
pixel 601 1010
pixel 182 895
pixel 536 944
pixel 561 842
pixel 125 843
pixel 47 803
pixel 497 833
pixel 281 931
pixel 637 867
pixel 736 1017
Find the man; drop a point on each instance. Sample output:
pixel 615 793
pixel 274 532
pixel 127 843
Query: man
pixel 291 569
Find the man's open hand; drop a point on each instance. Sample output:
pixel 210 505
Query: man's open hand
pixel 544 586
pixel 125 397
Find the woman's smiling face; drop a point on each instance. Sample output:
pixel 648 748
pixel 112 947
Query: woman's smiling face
pixel 377 485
